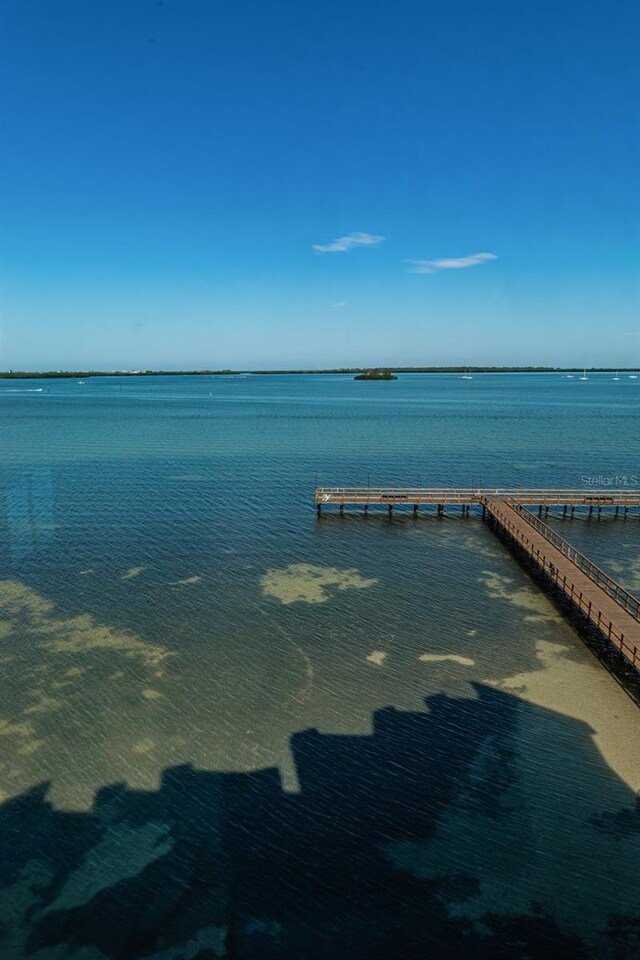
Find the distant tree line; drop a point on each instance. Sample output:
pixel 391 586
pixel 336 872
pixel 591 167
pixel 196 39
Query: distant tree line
pixel 85 374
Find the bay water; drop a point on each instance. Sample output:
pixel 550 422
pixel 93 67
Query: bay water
pixel 231 728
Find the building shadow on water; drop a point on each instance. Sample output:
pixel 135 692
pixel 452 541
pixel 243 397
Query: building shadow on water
pixel 219 864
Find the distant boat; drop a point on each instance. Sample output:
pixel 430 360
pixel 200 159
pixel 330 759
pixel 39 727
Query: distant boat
pixel 633 376
pixel 616 376
pixel 80 381
pixel 569 376
pixel 466 375
pixel 584 375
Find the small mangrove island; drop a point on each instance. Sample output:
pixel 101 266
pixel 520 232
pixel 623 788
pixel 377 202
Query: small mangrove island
pixel 376 373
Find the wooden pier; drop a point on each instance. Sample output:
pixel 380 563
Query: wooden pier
pixel 605 603
pixel 474 496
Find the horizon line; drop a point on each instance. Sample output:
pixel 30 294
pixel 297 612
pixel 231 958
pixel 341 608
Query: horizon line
pixel 442 368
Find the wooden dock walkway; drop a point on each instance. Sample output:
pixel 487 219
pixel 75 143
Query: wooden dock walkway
pixel 474 496
pixel 605 603
pixel 614 611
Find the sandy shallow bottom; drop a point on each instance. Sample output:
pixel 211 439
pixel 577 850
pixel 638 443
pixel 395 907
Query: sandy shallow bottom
pixel 575 853
pixel 542 823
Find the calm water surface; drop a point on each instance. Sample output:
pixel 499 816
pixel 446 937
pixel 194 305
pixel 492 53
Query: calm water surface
pixel 230 729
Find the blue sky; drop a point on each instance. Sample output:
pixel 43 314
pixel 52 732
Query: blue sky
pixel 194 183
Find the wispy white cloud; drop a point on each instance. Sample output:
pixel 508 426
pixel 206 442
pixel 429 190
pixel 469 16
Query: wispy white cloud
pixel 342 244
pixel 337 304
pixel 450 263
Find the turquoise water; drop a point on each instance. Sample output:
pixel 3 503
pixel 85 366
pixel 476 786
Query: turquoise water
pixel 228 728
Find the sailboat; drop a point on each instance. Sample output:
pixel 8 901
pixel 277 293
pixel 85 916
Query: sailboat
pixel 466 375
pixel 616 376
pixel 633 376
pixel 584 375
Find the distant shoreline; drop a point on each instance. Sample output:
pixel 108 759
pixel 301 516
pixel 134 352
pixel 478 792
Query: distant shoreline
pixel 84 374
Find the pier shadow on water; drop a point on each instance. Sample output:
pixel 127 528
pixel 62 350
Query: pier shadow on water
pixel 217 864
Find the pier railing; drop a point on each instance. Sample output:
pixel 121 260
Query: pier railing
pixel 615 590
pixel 474 495
pixel 582 600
